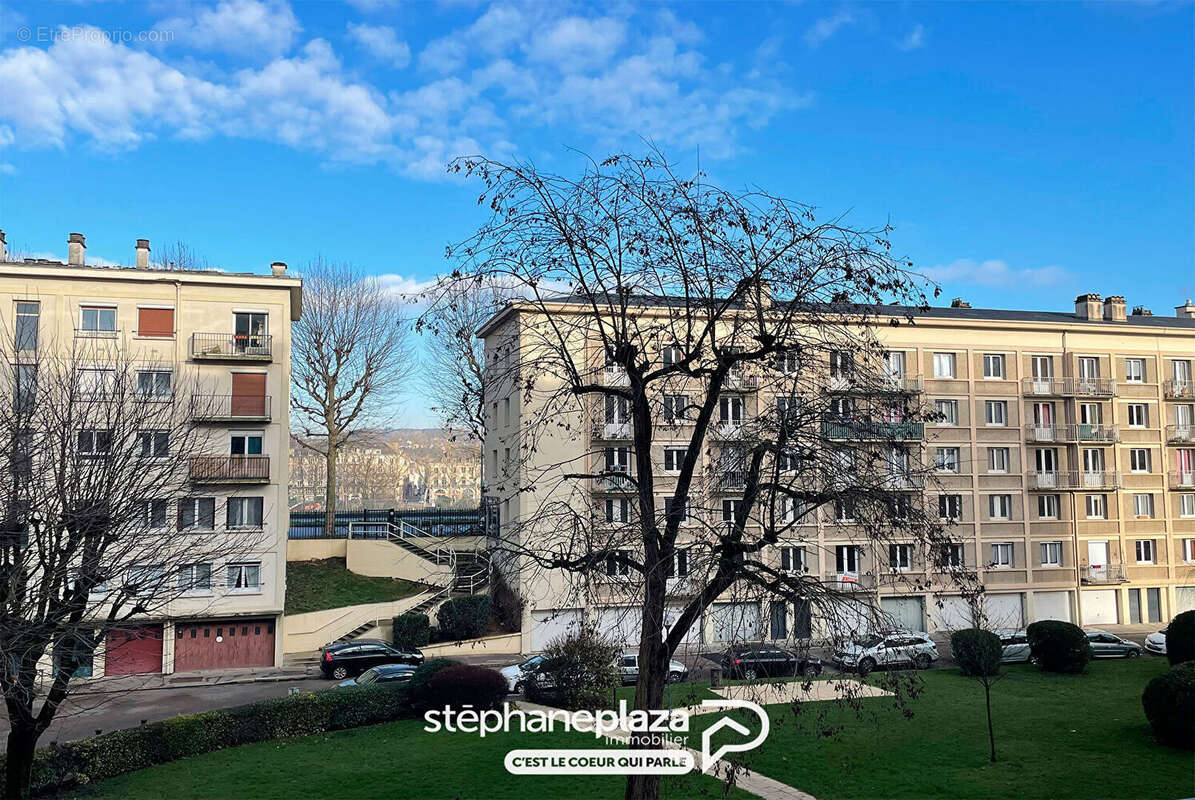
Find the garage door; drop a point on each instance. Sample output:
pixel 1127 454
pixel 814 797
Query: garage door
pixel 672 613
pixel 953 613
pixel 1004 610
pixel 1052 605
pixel 736 622
pixel 907 613
pixel 1099 607
pixel 223 644
pixel 547 626
pixel 620 625
pixel 133 651
pixel 840 617
pixel 1184 599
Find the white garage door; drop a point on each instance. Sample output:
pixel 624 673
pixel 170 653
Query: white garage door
pixel 736 622
pixel 672 613
pixel 954 613
pixel 842 618
pixel 1184 599
pixel 1099 607
pixel 1004 610
pixel 549 625
pixel 907 613
pixel 620 625
pixel 1052 605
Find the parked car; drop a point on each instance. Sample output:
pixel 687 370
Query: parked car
pixel 1156 642
pixel 894 648
pixel 627 665
pixel 1109 645
pixel 753 661
pixel 1016 646
pixel 342 660
pixel 515 674
pixel 394 674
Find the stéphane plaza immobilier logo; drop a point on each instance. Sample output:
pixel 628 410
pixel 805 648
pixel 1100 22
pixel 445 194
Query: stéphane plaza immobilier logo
pixel 667 730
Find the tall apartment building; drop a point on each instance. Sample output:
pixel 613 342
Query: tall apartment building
pixel 1066 458
pixel 229 334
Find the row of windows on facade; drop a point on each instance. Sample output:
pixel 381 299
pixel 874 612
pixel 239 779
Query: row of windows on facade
pixel 100 319
pixel 995 414
pixel 152 579
pixel 199 513
pixel 1046 461
pixel 97 443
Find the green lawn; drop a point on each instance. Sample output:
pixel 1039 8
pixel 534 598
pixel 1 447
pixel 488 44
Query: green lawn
pixel 316 585
pixel 1057 736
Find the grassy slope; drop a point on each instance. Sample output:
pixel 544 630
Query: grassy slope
pixel 317 585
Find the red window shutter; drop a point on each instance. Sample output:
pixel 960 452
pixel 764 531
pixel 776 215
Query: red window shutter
pixel 248 394
pixel 155 322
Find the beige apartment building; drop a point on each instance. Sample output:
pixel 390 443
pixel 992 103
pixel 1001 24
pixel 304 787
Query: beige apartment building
pixel 1066 458
pixel 227 338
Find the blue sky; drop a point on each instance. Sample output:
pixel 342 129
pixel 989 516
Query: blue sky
pixel 1025 153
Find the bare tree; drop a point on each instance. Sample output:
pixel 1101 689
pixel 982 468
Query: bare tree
pixel 182 256
pixel 351 356
pixel 96 456
pixel 740 333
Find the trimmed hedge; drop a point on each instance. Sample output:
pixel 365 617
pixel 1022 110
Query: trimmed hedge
pixel 1169 702
pixel 411 630
pixel 64 766
pixel 461 685
pixel 424 673
pixel 977 652
pixel 1180 638
pixel 464 618
pixel 1059 646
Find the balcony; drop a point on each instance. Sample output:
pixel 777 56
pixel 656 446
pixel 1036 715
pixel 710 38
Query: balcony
pixel 884 384
pixel 1068 387
pixel 1082 432
pixel 896 480
pixel 868 430
pixel 1101 573
pixel 1055 481
pixel 1180 433
pixel 733 480
pixel 232 347
pixel 610 432
pixel 850 581
pixel 739 379
pixel 614 484
pixel 230 408
pixel 230 469
pixel 1179 389
pixel 614 376
pixel 1181 480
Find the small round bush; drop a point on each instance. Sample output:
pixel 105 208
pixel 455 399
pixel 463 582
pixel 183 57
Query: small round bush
pixel 1169 702
pixel 411 630
pixel 1180 638
pixel 464 685
pixel 1059 646
pixel 577 672
pixel 977 652
pixel 424 672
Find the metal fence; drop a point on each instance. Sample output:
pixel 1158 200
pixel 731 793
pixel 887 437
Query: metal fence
pixel 432 521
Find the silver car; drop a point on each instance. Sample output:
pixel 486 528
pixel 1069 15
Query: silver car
pixel 1109 645
pixel 895 648
pixel 516 674
pixel 627 665
pixel 1156 642
pixel 1016 646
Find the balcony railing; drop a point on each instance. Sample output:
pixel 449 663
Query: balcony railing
pixel 92 333
pixel 614 483
pixel 610 431
pixel 885 384
pixel 1074 480
pixel 1179 389
pixel 1068 387
pixel 868 430
pixel 230 469
pixel 899 480
pixel 1081 432
pixel 1101 573
pixel 614 376
pixel 738 379
pixel 850 581
pixel 232 347
pixel 1183 479
pixel 730 481
pixel 1180 433
pixel 230 407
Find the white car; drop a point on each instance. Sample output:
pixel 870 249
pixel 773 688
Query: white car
pixel 515 673
pixel 894 648
pixel 1015 646
pixel 628 669
pixel 1156 642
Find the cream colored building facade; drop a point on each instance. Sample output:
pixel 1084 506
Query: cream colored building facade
pixel 229 334
pixel 1067 461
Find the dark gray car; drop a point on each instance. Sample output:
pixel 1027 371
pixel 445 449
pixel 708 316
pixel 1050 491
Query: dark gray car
pixel 1109 645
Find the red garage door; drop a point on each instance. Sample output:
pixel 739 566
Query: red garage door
pixel 133 651
pixel 223 643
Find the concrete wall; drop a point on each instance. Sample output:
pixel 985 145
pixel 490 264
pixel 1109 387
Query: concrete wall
pixel 384 559
pixel 315 549
pixel 311 631
pixel 506 644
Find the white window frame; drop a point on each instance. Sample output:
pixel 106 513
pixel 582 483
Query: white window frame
pixel 942 460
pixel 1003 555
pixel 1049 506
pixel 1138 415
pixel 955 500
pixel 675 455
pixel 1099 502
pixel 234 572
pixel 900 557
pixel 993 367
pixel 946 365
pixel 1188 546
pixel 995 413
pixel 1137 455
pixel 1000 503
pixel 1186 505
pixel 98 308
pixel 1145 551
pixel 999 460
pixel 188 575
pixel 1143 502
pixel 795 556
pixel 1134 370
pixel 244 504
pixel 618 510
pixel 949 411
pixel 1051 554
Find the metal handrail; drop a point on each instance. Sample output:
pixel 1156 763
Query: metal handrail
pixel 1065 387
pixel 230 406
pixel 1180 388
pixel 1180 433
pixel 231 467
pixel 232 345
pixel 1182 479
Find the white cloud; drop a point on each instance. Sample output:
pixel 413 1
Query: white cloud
pixel 370 6
pixel 826 27
pixel 265 27
pixel 575 44
pixel 914 40
pixel 7 169
pixel 382 43
pixel 996 274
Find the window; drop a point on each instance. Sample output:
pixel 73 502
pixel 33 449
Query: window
pixel 947 411
pixel 952 555
pixel 997 459
pixel 197 513
pixel 195 578
pixel 1146 551
pixel 674 407
pixel 618 410
pixel 1138 415
pixel 679 568
pixel 995 412
pixel 245 512
pixel 993 367
pixel 1000 506
pixel 24 395
pixel 684 510
pixel 900 557
pixel 97 320
pixel 671 355
pixel 842 364
pixel 1188 549
pixel 730 509
pixel 788 461
pixel 1002 555
pixel 846 558
pixel 1134 370
pixel 730 409
pixel 249 330
pixel 950 506
pixel 1047 506
pixel 1139 459
pixel 788 362
pixel 244 578
pixel 673 458
pixel 788 408
pixel 154 383
pixel 26 330
pixel 792 559
pixel 153 444
pixel 618 459
pixel 506 411
pixel 618 510
pixel 152 513
pixel 617 564
pixel 1186 505
pixel 155 322
pixel 1143 506
pixel 946 459
pixel 844 511
pixel 96 382
pixel 1051 554
pixel 144 579
pixel 94 443
pixel 944 365
pixel 21 457
pixel 249 444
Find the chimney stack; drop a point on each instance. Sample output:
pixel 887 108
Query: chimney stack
pixel 1088 306
pixel 1114 309
pixel 1185 311
pixel 143 254
pixel 3 247
pixel 278 268
pixel 75 248
pixel 959 302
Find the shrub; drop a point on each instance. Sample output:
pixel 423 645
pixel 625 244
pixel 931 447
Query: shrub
pixel 411 630
pixel 977 652
pixel 506 606
pixel 1180 638
pixel 464 618
pixel 1059 646
pixel 1169 702
pixel 463 684
pixel 577 672
pixel 424 672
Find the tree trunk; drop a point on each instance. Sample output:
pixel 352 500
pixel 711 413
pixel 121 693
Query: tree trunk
pixel 653 675
pixel 330 487
pixel 987 696
pixel 18 764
